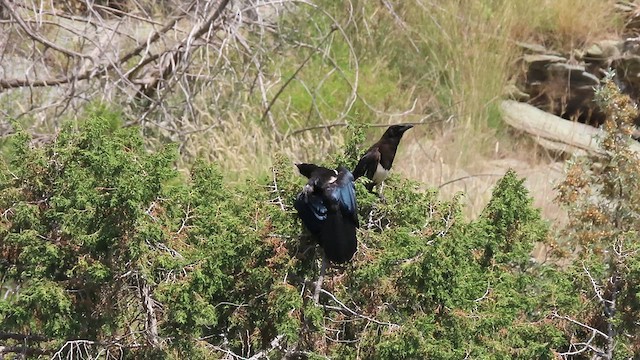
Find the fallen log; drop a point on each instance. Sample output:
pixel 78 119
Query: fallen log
pixel 553 132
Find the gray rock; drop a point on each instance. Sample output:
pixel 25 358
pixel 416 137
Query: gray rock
pixel 512 92
pixel 535 48
pixel 604 50
pixel 631 46
pixel 628 67
pixel 543 58
pixel 576 75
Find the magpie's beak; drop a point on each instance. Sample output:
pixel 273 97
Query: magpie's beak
pixel 406 127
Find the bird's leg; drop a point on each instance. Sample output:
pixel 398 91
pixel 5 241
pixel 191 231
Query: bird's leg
pixel 323 269
pixel 380 193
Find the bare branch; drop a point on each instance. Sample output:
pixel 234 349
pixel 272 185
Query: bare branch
pixel 318 284
pixel 275 343
pixel 344 124
pixel 16 83
pixel 344 307
pixel 584 347
pixel 227 352
pixel 465 178
pixel 35 36
pixel 576 322
pixel 22 350
pixel 151 321
pixel 92 72
pixel 485 293
pixel 596 287
pixel 295 73
pixel 156 35
pixel 278 200
pixel 84 349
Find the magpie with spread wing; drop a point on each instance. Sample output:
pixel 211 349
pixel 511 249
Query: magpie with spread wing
pixel 376 162
pixel 327 207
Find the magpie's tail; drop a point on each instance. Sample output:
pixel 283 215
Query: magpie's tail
pixel 338 238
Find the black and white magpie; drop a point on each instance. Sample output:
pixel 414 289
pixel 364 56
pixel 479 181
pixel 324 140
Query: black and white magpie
pixel 376 162
pixel 328 209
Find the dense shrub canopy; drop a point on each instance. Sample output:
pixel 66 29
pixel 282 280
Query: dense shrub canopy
pixel 105 242
pixel 107 250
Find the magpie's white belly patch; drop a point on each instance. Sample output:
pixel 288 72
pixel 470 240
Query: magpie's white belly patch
pixel 380 175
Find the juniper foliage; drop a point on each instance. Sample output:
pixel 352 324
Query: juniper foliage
pixel 105 242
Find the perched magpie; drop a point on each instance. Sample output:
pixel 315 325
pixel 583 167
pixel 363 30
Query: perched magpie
pixel 376 162
pixel 327 207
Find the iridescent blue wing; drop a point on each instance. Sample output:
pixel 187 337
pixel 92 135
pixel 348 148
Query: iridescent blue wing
pixel 344 193
pixel 311 211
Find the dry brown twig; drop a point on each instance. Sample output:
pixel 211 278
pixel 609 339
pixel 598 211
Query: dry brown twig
pixel 344 308
pixel 191 74
pixel 110 62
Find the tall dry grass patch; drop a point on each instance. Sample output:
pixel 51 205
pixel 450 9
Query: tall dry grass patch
pixel 563 25
pixel 458 56
pixel 442 63
pixel 470 49
pixel 247 149
pixel 406 61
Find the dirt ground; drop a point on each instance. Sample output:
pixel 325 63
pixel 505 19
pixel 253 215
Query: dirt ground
pixel 423 159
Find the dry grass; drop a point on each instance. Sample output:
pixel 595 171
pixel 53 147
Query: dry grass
pixel 423 158
pixel 388 62
pixel 246 149
pixel 564 24
pixel 456 60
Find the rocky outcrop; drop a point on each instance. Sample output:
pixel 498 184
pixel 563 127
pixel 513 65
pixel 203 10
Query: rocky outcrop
pixel 563 84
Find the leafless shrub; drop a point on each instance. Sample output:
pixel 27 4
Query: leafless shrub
pixel 194 71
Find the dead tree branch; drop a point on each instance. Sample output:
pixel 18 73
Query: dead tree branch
pixel 581 347
pixel 35 36
pixel 576 322
pixel 348 311
pixel 22 350
pixel 275 344
pixel 80 348
pixel 318 283
pixel 151 323
pixel 180 53
pixel 97 69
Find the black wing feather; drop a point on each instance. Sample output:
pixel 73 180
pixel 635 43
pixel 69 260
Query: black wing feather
pixel 338 238
pixel 345 194
pixel 311 211
pixel 329 210
pixel 368 164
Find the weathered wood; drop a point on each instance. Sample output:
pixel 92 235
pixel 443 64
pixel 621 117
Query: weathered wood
pixel 554 132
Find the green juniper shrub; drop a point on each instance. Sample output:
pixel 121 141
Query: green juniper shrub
pixel 108 242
